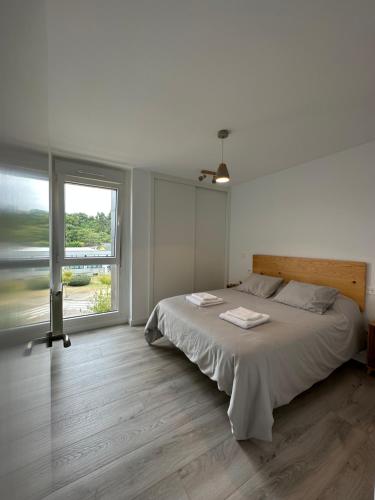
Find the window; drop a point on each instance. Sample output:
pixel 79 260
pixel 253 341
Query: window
pixel 90 221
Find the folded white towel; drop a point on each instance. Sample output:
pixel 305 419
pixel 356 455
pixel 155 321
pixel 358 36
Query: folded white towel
pixel 204 297
pixel 201 303
pixel 244 314
pixel 244 324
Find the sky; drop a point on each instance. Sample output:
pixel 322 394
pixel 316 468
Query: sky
pixel 87 199
pixel 19 192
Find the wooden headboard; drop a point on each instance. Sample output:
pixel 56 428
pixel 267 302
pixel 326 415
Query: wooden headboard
pixel 347 276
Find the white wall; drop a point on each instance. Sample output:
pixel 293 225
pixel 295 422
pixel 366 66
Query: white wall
pixel 140 229
pixel 324 208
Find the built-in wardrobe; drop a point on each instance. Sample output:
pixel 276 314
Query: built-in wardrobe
pixel 189 238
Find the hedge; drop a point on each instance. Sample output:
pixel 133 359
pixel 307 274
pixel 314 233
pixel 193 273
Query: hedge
pixel 80 280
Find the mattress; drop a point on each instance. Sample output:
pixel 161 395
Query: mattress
pixel 266 366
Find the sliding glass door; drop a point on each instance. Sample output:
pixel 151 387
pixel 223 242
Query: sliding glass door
pixel 87 216
pixel 25 381
pixel 24 246
pixel 61 226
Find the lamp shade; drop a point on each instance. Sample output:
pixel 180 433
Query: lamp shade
pixel 222 174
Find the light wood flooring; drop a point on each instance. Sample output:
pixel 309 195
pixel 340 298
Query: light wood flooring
pixel 130 421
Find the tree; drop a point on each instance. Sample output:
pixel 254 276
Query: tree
pixel 32 229
pixel 87 230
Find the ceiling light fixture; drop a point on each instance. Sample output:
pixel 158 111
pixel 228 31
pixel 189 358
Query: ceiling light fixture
pixel 221 175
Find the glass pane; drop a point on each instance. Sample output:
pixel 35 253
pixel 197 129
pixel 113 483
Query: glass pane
pixel 90 289
pixel 24 221
pixel 24 296
pixel 90 221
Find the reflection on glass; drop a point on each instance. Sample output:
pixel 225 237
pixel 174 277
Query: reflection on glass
pixel 90 216
pixel 23 214
pixel 24 296
pixel 89 289
pixel 24 235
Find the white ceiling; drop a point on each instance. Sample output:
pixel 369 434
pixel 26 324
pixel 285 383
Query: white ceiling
pixel 149 82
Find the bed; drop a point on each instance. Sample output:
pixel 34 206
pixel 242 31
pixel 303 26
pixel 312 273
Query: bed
pixel 267 366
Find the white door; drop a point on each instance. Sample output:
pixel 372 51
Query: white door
pixel 174 234
pixel 190 227
pixel 210 239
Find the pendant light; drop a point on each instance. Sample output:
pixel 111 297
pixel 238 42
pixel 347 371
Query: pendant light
pixel 222 174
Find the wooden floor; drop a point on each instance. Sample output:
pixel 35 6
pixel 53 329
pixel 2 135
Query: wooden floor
pixel 127 420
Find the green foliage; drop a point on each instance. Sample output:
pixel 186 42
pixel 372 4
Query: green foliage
pixel 80 280
pixel 39 283
pixel 66 277
pixel 105 279
pixel 32 229
pixel 101 301
pixel 87 231
pixel 25 228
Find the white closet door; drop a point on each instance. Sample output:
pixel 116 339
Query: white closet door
pixel 173 239
pixel 210 239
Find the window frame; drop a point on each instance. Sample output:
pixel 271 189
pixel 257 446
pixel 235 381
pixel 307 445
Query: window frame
pixel 88 174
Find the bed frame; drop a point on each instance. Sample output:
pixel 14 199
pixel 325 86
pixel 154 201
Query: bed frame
pixel 349 277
